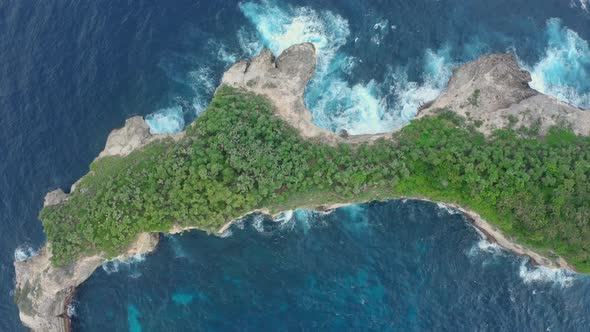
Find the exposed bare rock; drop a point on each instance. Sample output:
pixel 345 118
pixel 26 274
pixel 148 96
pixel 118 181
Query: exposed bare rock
pixel 55 197
pixel 493 92
pixel 42 290
pixel 283 81
pixel 134 135
pixel 124 140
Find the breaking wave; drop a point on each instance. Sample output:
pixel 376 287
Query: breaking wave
pixel 564 69
pixel 336 104
pixel 117 265
pixel 542 274
pixel 166 121
pixel 24 252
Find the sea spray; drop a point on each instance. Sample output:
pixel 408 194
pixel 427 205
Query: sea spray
pixel 336 104
pixel 542 274
pixel 166 121
pixel 564 69
pixel 129 264
pixel 24 252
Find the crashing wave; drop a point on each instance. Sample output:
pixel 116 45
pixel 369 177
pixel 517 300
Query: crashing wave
pixel 24 252
pixel 564 69
pixel 115 265
pixel 543 274
pixel 363 108
pixel 166 121
pixel 226 233
pixel 447 209
pixel 485 246
pixel 71 309
pixel 258 223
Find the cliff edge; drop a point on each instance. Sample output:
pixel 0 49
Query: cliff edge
pixel 43 290
pixel 491 92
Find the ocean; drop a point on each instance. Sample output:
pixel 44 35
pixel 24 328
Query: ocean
pixel 71 71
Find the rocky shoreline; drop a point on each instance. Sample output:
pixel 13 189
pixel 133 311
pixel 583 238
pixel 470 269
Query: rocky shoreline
pixel 503 99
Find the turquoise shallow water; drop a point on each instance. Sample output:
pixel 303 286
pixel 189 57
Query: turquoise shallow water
pixel 72 71
pixel 392 266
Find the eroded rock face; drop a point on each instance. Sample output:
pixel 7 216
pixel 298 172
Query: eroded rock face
pixel 492 90
pixel 493 93
pixel 42 290
pixel 283 81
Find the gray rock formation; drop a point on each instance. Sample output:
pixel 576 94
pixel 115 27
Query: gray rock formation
pixel 42 290
pixel 494 93
pixel 283 81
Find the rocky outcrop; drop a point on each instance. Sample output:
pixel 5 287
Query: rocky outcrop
pixel 283 80
pixel 493 92
pixel 42 291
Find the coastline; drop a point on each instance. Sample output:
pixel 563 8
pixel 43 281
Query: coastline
pixel 42 289
pixel 492 233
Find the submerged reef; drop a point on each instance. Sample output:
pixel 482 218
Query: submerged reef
pixel 513 159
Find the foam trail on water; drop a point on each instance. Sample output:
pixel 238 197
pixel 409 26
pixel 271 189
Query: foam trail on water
pixel 564 69
pixel 114 266
pixel 336 104
pixel 544 274
pixel 166 121
pixel 583 4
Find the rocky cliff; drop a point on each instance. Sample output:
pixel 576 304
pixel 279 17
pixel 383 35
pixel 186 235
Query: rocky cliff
pixel 42 290
pixel 492 92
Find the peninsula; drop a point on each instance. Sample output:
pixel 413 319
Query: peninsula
pixel 514 161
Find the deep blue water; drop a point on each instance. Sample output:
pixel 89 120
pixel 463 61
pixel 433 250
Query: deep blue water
pixel 395 266
pixel 70 71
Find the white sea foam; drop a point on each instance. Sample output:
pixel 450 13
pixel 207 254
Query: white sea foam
pixel 71 309
pixel 363 108
pixel 564 69
pixel 226 233
pixel 258 223
pixel 483 246
pixel 166 121
pixel 115 265
pixel 542 274
pixel 447 209
pixel 284 216
pixel 24 252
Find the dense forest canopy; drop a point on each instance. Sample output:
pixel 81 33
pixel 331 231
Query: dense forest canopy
pixel 238 157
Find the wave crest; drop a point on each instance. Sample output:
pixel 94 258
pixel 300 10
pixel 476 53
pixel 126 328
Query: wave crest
pixel 564 69
pixel 24 252
pixel 542 274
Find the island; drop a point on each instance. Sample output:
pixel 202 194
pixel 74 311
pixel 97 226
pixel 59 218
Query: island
pixel 514 161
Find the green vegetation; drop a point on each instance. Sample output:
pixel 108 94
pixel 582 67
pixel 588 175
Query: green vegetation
pixel 238 157
pixel 473 100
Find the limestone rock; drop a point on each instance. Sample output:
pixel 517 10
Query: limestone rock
pixel 494 92
pixel 282 81
pixel 123 141
pixel 43 290
pixel 55 197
